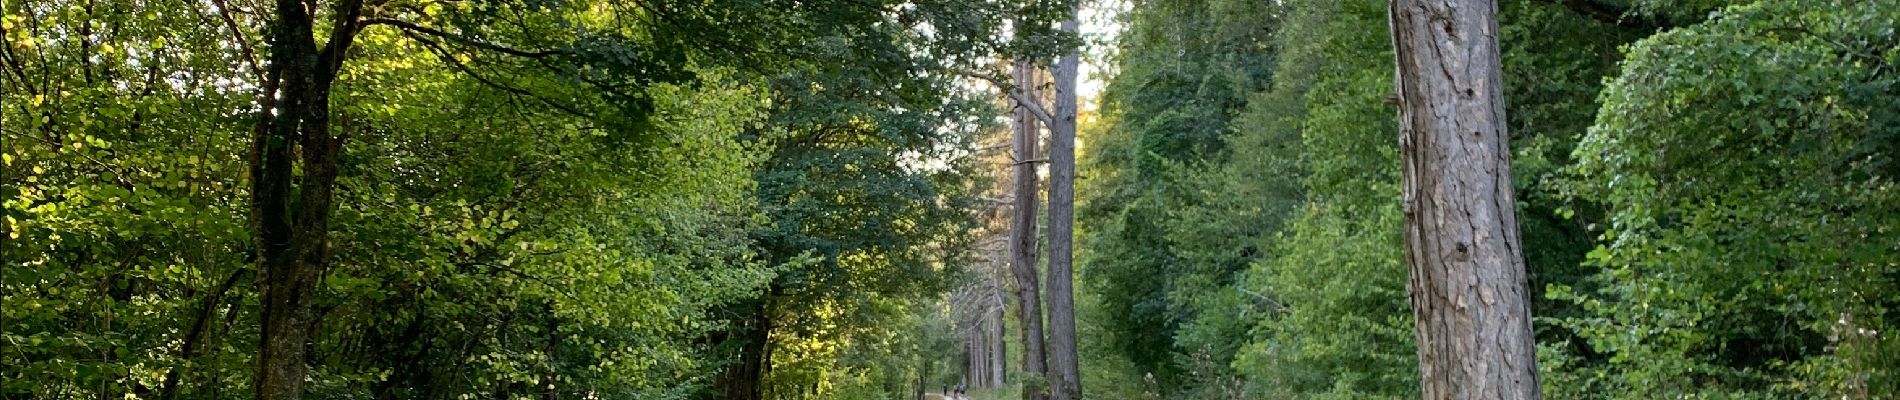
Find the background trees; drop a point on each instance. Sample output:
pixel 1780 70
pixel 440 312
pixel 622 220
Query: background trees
pixel 750 199
pixel 1645 205
pixel 1756 230
pixel 540 199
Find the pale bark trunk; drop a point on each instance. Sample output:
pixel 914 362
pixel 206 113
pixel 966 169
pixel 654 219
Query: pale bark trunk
pixel 1467 283
pixel 977 366
pixel 1022 231
pixel 983 347
pixel 998 349
pixel 1064 378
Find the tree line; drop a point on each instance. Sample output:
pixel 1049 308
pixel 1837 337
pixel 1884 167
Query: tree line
pixel 282 199
pixel 845 199
pixel 1702 192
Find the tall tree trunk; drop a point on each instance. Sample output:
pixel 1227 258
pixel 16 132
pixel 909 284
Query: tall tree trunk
pixel 979 365
pixel 292 236
pixel 1064 378
pixel 200 329
pixel 744 380
pixel 969 359
pixel 1471 309
pixel 923 372
pixel 552 351
pixel 998 350
pixel 1022 230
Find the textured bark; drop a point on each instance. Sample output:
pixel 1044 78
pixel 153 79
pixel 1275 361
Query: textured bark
pixel 1064 377
pixel 745 379
pixel 1022 231
pixel 293 236
pixel 1467 285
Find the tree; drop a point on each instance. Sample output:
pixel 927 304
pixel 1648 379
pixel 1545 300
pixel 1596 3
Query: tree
pixel 1184 72
pixel 549 198
pixel 867 190
pixel 1468 286
pixel 458 199
pixel 292 237
pixel 1022 226
pixel 1064 377
pixel 294 168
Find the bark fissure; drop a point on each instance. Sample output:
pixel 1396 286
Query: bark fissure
pixel 1461 240
pixel 1065 376
pixel 1022 231
pixel 290 213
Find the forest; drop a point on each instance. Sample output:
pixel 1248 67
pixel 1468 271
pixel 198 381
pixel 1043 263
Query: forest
pixel 949 199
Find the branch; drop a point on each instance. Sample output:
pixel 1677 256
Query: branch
pixel 448 57
pixel 1850 50
pixel 118 174
pixel 1609 14
pixel 237 35
pixel 1270 301
pixel 411 27
pixel 344 27
pixel 1015 93
pixel 13 62
pixel 1033 161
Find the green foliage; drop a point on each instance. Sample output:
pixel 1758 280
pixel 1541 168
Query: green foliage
pixel 1744 165
pixel 1186 68
pixel 585 199
pixel 870 178
pixel 114 201
pixel 1757 140
pixel 1338 323
pixel 560 198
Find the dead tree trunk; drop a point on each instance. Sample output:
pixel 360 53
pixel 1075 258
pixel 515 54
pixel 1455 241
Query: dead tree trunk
pixel 1467 285
pixel 1022 230
pixel 1064 378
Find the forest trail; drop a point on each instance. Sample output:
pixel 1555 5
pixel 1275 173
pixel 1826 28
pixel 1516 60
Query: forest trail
pixel 874 198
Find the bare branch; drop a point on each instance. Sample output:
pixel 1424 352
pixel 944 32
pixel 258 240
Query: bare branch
pixel 237 35
pixel 1034 161
pixel 1015 93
